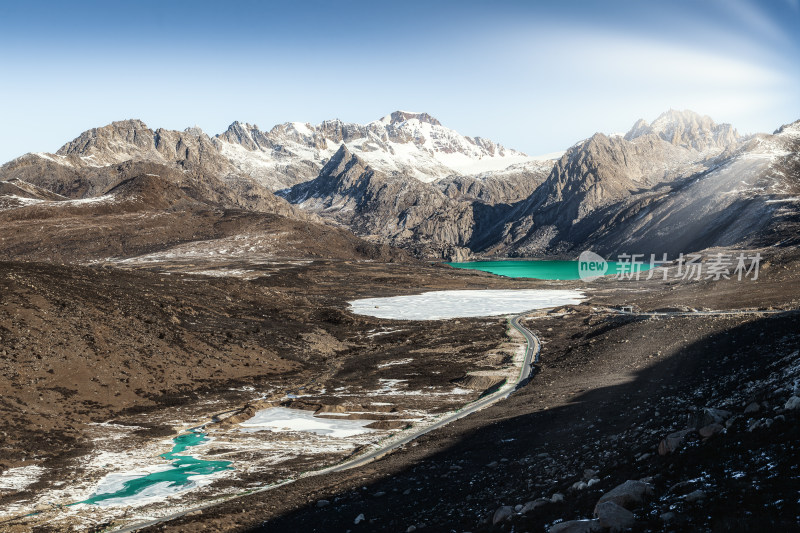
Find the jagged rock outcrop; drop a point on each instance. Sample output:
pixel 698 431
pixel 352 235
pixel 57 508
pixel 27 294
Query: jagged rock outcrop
pixel 700 186
pixel 679 183
pixel 101 158
pixel 401 212
pixel 687 129
pixel 512 185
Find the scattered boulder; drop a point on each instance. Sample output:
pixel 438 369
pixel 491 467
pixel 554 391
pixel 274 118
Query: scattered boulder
pixel 629 494
pixel 576 526
pixel 672 442
pixel 579 485
pixel 613 516
pixel 535 504
pixel 754 407
pixel 792 403
pixel 557 497
pixel 695 496
pixel 710 430
pixel 323 503
pixel 711 415
pixel 503 513
pixel 360 518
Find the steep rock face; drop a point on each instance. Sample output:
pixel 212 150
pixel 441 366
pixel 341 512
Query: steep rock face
pixel 678 184
pixel 132 140
pixel 114 143
pixel 688 130
pixel 406 213
pixel 101 158
pixel 409 181
pixel 590 176
pixel 506 187
pixel 600 195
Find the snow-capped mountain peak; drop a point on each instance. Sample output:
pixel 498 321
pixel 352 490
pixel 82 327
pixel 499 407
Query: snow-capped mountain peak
pixel 686 129
pixel 399 117
pixel 402 143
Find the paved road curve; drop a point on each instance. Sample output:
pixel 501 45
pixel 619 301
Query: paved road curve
pixel 531 356
pixel 392 443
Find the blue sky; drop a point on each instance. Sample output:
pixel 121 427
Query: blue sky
pixel 536 76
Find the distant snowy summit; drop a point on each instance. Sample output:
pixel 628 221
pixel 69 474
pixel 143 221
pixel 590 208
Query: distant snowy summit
pixel 686 129
pixel 403 143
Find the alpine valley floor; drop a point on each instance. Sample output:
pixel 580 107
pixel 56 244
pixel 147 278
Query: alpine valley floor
pixel 155 348
pixel 609 390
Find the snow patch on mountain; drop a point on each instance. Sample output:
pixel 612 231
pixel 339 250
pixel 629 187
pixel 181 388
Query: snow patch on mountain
pixel 402 143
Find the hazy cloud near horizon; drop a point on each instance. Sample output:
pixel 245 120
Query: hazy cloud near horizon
pixel 533 77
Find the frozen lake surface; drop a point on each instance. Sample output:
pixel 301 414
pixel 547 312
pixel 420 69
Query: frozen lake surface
pixel 285 419
pixel 439 305
pixel 155 484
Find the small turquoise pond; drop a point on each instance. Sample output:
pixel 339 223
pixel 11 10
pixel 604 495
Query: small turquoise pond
pixel 183 468
pixel 552 270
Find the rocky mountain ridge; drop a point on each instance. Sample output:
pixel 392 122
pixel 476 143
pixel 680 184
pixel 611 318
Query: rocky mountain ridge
pixel 597 193
pixel 402 143
pixel 408 181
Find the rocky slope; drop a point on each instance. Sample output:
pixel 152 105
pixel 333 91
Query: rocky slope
pixel 647 191
pixel 677 184
pixel 437 172
pixel 673 419
pixel 413 145
pixel 152 209
pixel 647 195
pixel 402 212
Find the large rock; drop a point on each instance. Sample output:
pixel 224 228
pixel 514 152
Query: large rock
pixel 710 430
pixel 713 416
pixel 629 494
pixel 753 407
pixel 576 526
pixel 613 516
pixel 792 403
pixel 503 513
pixel 672 442
pixel 535 504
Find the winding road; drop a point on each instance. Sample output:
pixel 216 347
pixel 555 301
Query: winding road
pixel 531 356
pixel 730 312
pixel 395 441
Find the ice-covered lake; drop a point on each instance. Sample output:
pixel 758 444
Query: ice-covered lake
pixel 285 419
pixel 437 305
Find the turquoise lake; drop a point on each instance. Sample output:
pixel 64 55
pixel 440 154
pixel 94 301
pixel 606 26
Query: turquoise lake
pixel 551 270
pixel 183 468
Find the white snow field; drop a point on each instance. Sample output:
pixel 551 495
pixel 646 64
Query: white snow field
pixel 16 479
pixel 285 419
pixel 438 305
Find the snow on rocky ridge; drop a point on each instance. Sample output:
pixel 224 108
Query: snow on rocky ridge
pixel 402 143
